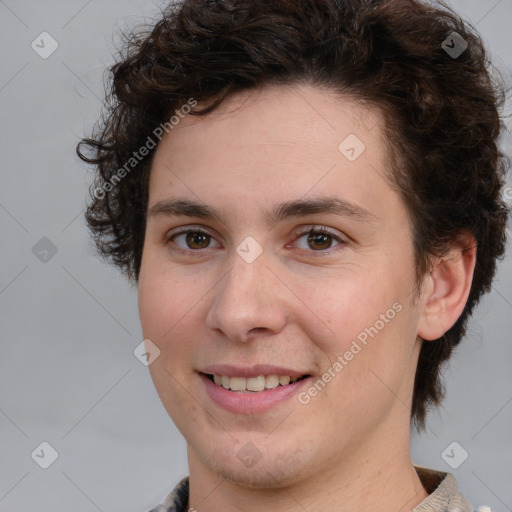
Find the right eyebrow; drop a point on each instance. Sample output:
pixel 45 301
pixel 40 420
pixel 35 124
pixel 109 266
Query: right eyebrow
pixel 175 207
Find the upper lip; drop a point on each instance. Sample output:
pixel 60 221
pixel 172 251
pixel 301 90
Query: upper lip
pixel 250 371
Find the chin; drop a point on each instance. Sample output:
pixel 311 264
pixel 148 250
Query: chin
pixel 268 468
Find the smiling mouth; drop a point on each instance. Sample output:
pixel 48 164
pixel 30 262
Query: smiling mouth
pixel 253 384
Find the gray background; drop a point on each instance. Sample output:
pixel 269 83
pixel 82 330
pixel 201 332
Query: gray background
pixel 70 324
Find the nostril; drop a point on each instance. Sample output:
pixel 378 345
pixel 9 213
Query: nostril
pixel 257 329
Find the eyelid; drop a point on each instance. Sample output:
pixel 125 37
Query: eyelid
pixel 185 229
pixel 303 230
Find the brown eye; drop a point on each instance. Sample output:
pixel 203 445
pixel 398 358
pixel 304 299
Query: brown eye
pixel 197 240
pixel 320 240
pixel 189 240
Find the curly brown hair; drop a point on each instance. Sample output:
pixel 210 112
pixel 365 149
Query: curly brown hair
pixel 441 111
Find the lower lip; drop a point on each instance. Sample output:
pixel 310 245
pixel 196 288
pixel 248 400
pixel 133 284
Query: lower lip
pixel 251 402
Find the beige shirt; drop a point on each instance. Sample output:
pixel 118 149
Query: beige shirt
pixel 444 495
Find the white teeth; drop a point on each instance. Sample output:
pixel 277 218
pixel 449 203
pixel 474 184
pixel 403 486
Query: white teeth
pixel 238 383
pixel 254 383
pixel 271 381
pixel 284 381
pixel 259 383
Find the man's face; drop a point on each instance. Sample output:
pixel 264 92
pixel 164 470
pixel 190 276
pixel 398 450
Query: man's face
pixel 263 301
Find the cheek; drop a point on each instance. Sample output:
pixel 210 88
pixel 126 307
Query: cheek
pixel 368 328
pixel 165 306
pixel 169 310
pixel 153 302
pixel 346 307
pixel 163 300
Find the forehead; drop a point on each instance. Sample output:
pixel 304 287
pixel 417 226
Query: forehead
pixel 296 115
pixel 308 120
pixel 278 143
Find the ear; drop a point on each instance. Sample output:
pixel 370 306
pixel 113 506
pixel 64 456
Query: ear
pixel 446 289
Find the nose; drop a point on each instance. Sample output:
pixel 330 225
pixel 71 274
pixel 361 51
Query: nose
pixel 249 302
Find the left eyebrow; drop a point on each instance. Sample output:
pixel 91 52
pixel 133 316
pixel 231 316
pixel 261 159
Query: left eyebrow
pixel 304 207
pixel 279 212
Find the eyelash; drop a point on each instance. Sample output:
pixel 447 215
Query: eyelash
pixel 309 231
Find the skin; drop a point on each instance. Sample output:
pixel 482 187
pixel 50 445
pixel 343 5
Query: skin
pixel 291 307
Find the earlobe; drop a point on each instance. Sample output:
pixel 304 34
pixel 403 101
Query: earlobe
pixel 446 288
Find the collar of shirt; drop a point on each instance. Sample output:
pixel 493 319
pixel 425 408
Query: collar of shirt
pixel 444 495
